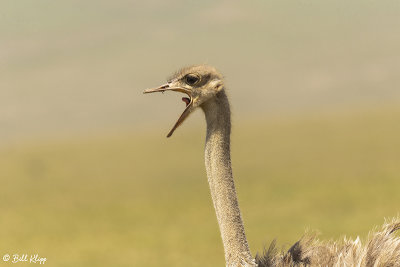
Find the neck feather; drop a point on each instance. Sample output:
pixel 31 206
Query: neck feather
pixel 220 179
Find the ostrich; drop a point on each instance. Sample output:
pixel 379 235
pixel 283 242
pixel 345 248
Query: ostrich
pixel 205 88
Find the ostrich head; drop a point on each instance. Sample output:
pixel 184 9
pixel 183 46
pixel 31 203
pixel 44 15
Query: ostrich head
pixel 200 83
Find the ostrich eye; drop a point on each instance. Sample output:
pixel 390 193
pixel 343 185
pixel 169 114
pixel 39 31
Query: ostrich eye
pixel 192 79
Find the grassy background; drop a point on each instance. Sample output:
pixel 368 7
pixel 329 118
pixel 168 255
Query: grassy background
pixel 141 199
pixel 88 178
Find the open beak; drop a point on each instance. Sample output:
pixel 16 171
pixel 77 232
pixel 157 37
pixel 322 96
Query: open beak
pixel 188 100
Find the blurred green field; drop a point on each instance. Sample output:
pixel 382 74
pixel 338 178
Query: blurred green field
pixel 140 199
pixel 121 197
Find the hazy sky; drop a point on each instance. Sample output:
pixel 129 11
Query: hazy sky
pixel 77 66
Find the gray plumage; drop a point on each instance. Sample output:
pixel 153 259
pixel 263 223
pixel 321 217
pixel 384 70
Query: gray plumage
pixel 205 88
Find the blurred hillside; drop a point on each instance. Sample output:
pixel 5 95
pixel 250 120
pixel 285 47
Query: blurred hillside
pixel 88 177
pixel 73 67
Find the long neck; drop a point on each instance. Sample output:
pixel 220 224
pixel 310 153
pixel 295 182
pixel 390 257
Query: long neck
pixel 220 179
